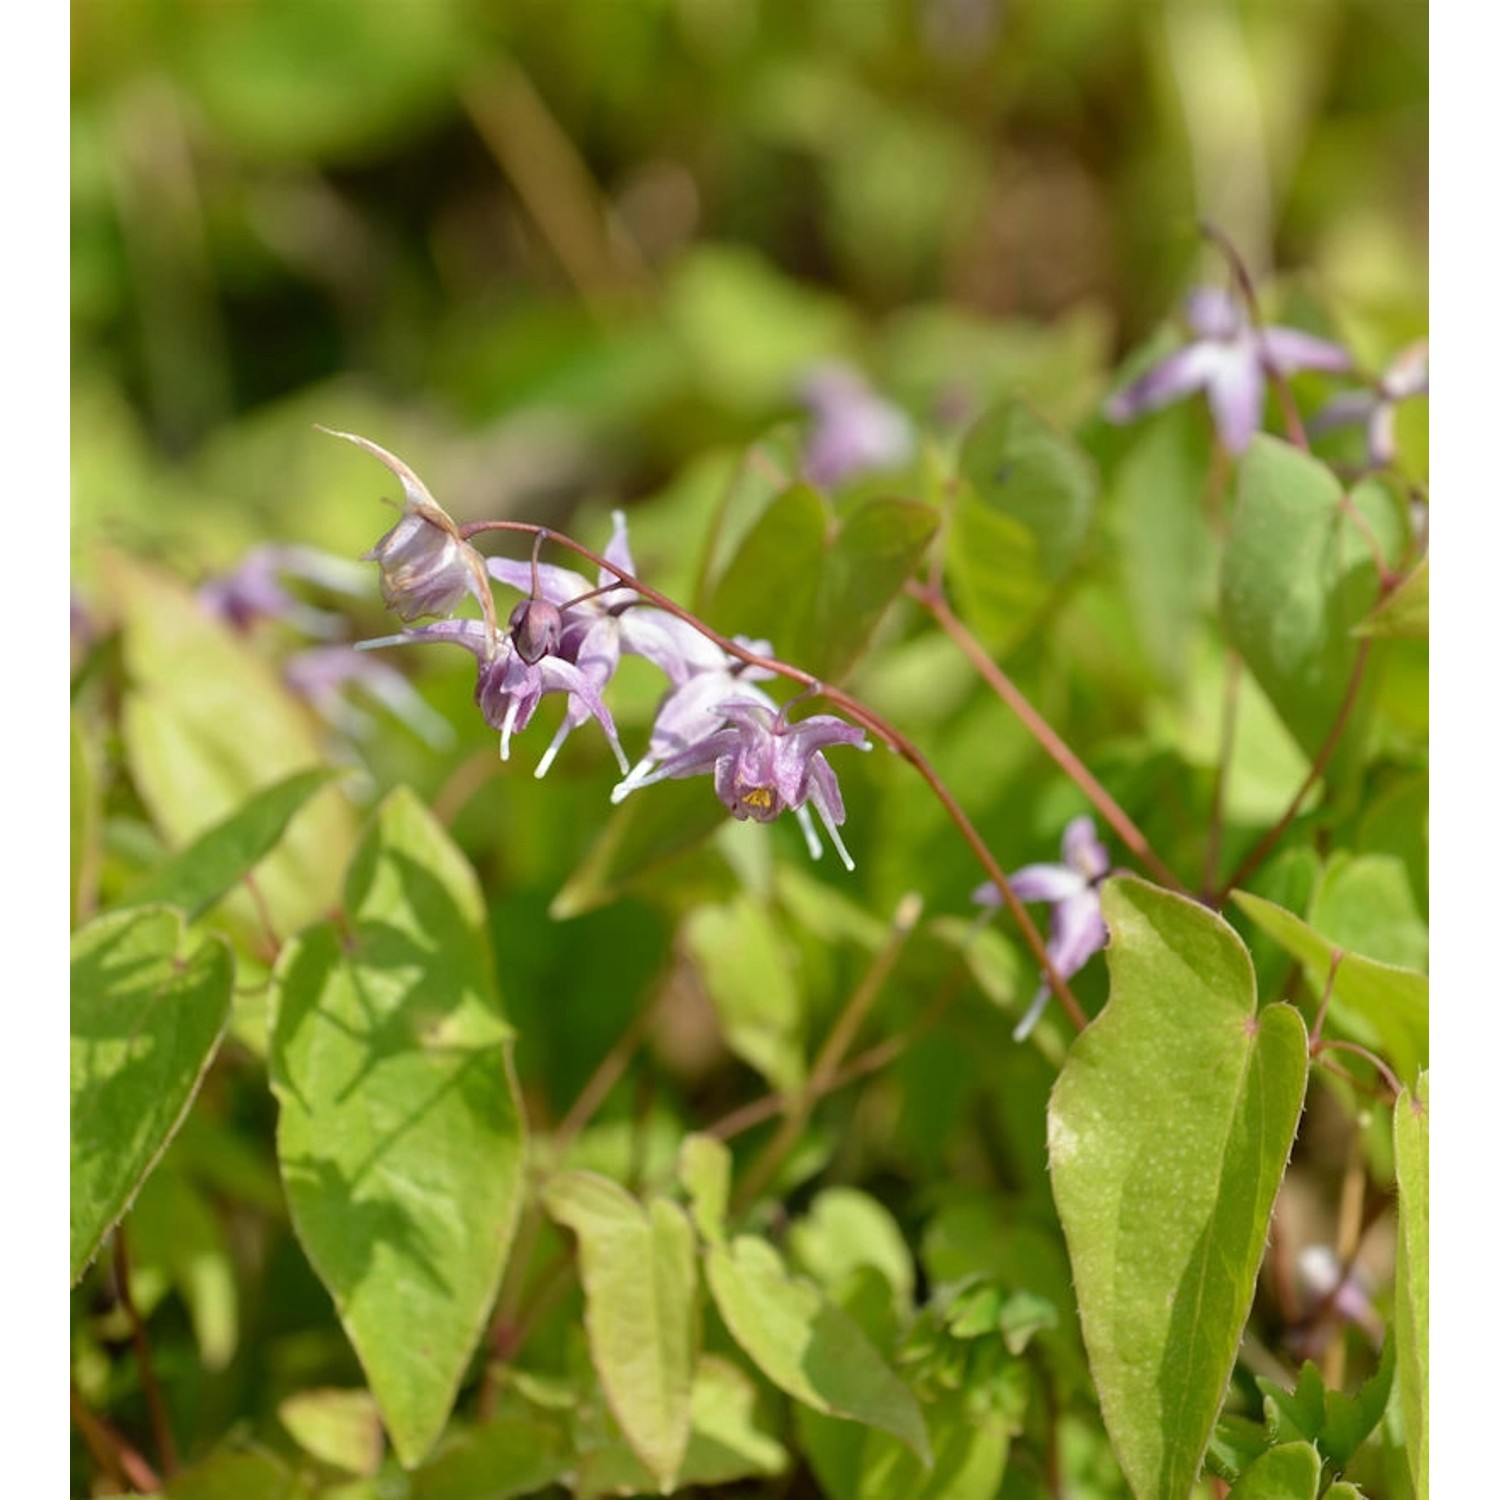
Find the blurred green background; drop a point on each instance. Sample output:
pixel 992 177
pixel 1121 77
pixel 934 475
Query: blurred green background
pixel 549 251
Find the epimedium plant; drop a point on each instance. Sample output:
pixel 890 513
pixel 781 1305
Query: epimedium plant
pixel 844 1204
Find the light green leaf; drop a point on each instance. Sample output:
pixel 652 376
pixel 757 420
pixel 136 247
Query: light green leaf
pixel 845 1229
pixel 1288 1472
pixel 1411 1129
pixel 339 1427
pixel 704 1167
pixel 1168 1133
pixel 1364 904
pixel 84 820
pixel 217 860
pixel 639 1281
pixel 745 969
pixel 726 1442
pixel 806 1345
pixel 1299 576
pixel 149 1003
pixel 1403 611
pixel 1377 1002
pixel 400 1137
pixel 206 724
pixel 969 1451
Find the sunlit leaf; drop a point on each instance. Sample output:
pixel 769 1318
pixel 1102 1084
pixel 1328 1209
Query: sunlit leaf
pixel 149 1004
pixel 845 1229
pixel 216 860
pixel 806 1345
pixel 703 1168
pixel 207 724
pixel 84 802
pixel 1403 611
pixel 1169 1131
pixel 1411 1128
pixel 400 1137
pixel 640 1278
pixel 339 1427
pixel 1380 1002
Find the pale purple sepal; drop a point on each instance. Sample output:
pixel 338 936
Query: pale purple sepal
pixel 854 431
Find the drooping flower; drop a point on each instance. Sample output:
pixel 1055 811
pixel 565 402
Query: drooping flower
pixel 1072 890
pixel 253 589
pixel 1404 378
pixel 762 765
pixel 509 687
pixel 426 566
pixel 1228 359
pixel 854 431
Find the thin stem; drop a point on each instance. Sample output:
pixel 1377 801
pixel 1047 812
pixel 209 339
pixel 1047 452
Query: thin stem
pixel 1268 842
pixel 1333 968
pixel 120 1462
pixel 933 601
pixel 1295 432
pixel 603 1079
pixel 466 779
pixel 830 1055
pixel 166 1446
pixel 1215 837
pixel 861 713
pixel 1391 1081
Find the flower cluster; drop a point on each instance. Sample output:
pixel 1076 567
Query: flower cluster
pixel 567 635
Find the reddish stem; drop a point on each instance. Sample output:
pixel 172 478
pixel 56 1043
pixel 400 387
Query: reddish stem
pixel 854 709
pixel 166 1446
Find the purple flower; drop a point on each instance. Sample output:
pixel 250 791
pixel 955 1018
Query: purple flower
pixel 426 567
pixel 1229 360
pixel 1072 891
pixel 854 431
pixel 253 590
pixel 762 765
pixel 510 687
pixel 1375 410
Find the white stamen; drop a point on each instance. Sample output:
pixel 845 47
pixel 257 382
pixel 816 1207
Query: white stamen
pixel 1033 1014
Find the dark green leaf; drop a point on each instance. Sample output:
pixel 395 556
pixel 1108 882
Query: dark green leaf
pixel 149 1003
pixel 215 861
pixel 400 1137
pixel 495 1461
pixel 1169 1131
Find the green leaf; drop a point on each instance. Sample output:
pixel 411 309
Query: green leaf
pixel 206 724
pixel 1411 1128
pixel 739 952
pixel 785 545
pixel 806 1345
pixel 877 548
pixel 1364 904
pixel 238 1476
pixel 1022 466
pixel 1403 611
pixel 1168 1132
pixel 969 1452
pixel 339 1427
pixel 1289 1472
pixel 84 822
pixel 1298 578
pixel 764 471
pixel 400 1137
pixel 846 1229
pixel 1349 1420
pixel 639 1281
pixel 650 829
pixel 149 1003
pixel 704 1167
pixel 495 1461
pixel 1019 520
pixel 217 860
pixel 1380 1002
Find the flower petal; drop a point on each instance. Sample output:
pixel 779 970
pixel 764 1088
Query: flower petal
pixel 1178 375
pixel 1237 398
pixel 1288 350
pixel 1082 851
pixel 1047 883
pixel 1078 932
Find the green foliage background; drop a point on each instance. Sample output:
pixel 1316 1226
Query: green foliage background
pixel 564 257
